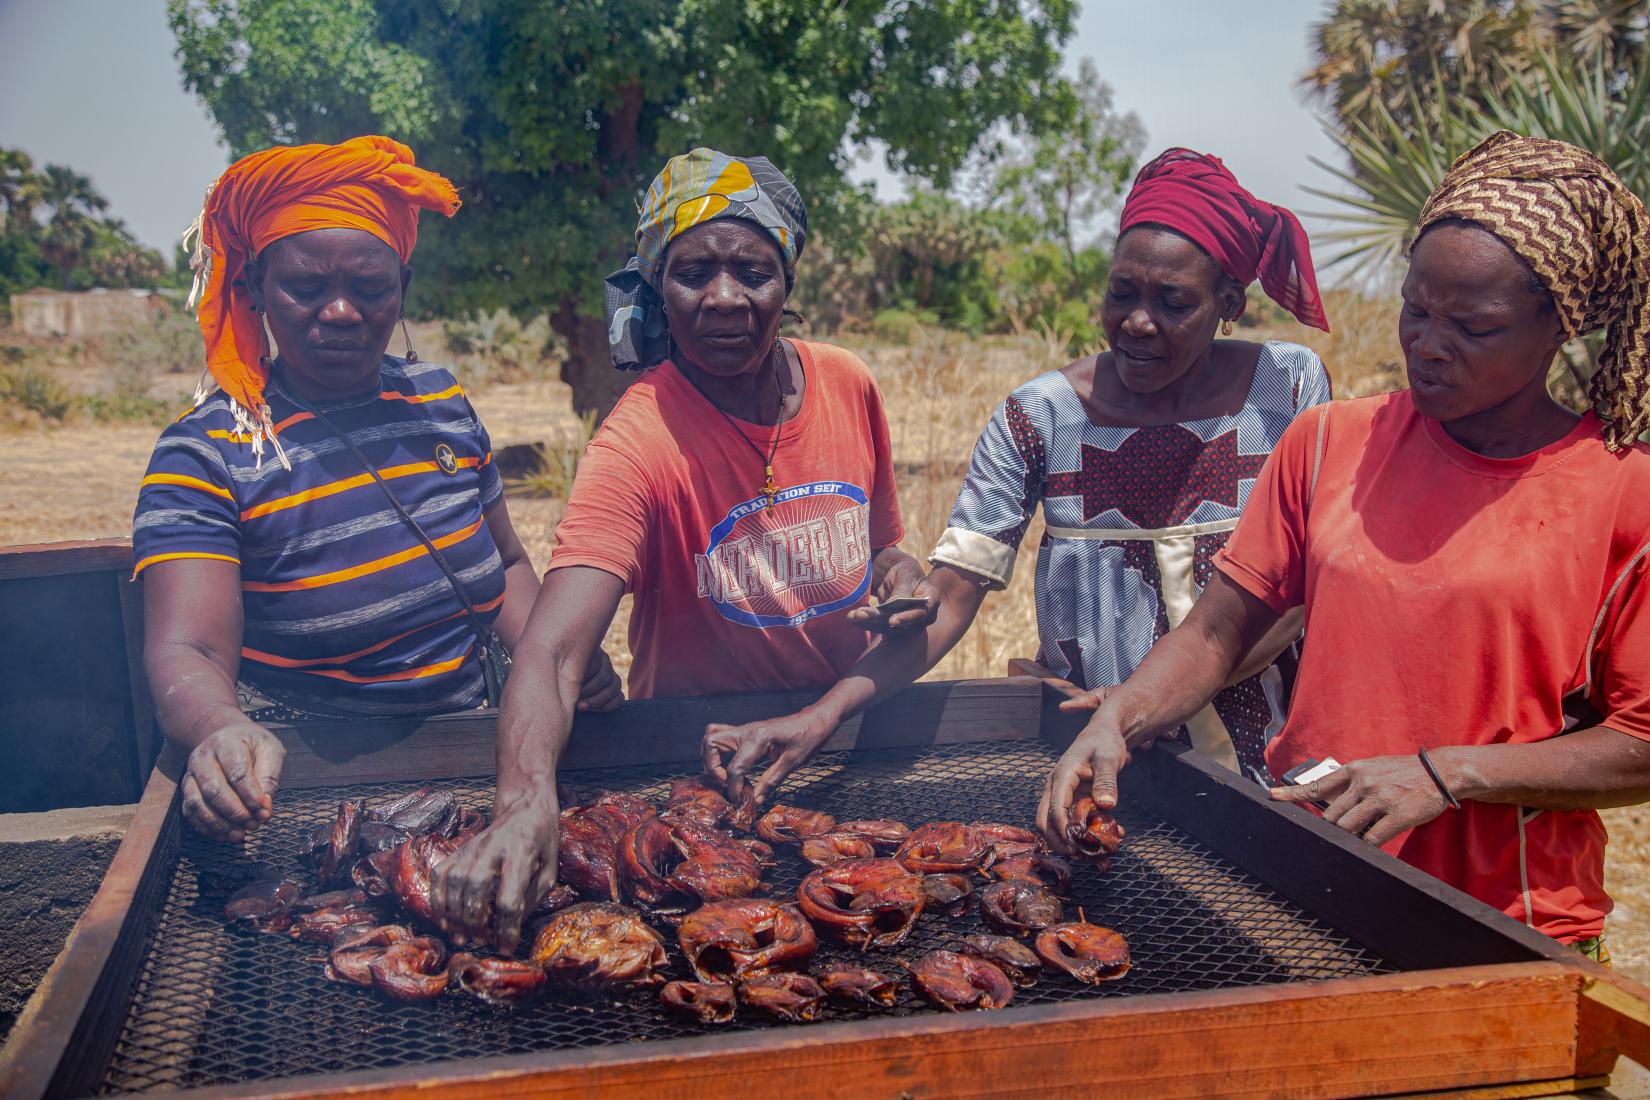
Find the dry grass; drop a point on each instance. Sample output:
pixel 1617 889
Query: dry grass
pixel 79 480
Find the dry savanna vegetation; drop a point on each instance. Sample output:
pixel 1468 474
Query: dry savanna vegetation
pixel 71 468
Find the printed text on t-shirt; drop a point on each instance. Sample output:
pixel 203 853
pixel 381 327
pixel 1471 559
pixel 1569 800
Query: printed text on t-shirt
pixel 784 564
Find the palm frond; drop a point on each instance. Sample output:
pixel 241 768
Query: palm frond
pixel 1399 152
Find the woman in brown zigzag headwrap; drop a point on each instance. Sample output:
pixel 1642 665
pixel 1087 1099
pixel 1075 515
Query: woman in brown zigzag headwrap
pixel 1474 560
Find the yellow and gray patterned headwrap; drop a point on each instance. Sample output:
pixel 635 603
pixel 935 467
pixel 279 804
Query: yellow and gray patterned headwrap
pixel 1586 237
pixel 694 188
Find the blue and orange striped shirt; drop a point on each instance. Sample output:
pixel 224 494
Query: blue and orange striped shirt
pixel 345 611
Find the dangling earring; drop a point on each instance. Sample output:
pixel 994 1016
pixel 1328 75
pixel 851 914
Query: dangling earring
pixel 412 356
pixel 1226 328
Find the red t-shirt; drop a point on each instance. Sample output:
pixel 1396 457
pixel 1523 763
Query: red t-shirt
pixel 730 593
pixel 1453 599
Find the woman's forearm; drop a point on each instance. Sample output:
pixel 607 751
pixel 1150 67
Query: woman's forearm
pixel 1189 664
pixel 571 614
pixel 535 722
pixel 521 588
pixel 895 661
pixel 1177 679
pixel 192 647
pixel 194 696
pixel 1590 768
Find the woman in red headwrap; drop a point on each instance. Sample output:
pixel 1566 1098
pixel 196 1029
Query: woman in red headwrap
pixel 325 534
pixel 1141 457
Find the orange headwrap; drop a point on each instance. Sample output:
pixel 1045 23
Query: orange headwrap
pixel 368 183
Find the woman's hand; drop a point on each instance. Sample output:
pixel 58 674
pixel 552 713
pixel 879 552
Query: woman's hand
pixel 229 786
pixel 486 888
pixel 731 752
pixel 1376 798
pixel 1095 758
pixel 602 689
pixel 898 576
pixel 1077 700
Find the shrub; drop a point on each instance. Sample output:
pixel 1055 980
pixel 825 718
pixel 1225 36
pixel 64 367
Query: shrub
pixel 896 325
pixel 496 347
pixel 126 406
pixel 38 392
pixel 556 463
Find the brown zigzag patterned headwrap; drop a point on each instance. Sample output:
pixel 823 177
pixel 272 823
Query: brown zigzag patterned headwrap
pixel 1586 237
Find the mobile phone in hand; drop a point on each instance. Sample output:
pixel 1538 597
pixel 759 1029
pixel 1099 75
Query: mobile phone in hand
pixel 1308 770
pixel 902 603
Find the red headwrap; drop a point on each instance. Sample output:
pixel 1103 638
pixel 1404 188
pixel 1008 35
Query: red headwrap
pixel 1194 195
pixel 367 183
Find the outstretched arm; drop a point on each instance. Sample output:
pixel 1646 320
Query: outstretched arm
pixel 1383 796
pixel 732 753
pixel 505 869
pixel 1183 671
pixel 1269 645
pixel 601 689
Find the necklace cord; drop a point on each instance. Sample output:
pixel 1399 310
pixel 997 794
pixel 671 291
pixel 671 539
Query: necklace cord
pixel 768 488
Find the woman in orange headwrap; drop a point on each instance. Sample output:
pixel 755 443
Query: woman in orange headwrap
pixel 371 568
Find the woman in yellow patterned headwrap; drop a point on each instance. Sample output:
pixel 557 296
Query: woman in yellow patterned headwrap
pixel 1474 560
pixel 742 491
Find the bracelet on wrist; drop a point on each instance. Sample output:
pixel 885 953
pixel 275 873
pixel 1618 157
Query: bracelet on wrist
pixel 1432 770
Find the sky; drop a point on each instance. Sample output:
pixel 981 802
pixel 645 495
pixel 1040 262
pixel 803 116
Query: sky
pixel 92 84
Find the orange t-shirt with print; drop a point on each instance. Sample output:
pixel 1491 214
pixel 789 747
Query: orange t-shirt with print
pixel 732 593
pixel 1453 599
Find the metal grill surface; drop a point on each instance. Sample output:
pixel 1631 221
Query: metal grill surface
pixel 216 1005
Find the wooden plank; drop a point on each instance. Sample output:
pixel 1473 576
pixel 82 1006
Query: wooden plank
pixel 145 733
pixel 53 559
pixel 65 694
pixel 1563 1086
pixel 1361 1036
pixel 1405 915
pixel 1615 1019
pixel 65 1033
pixel 649 731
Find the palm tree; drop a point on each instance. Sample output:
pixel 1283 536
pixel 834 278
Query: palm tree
pixel 1397 163
pixel 19 189
pixel 1608 31
pixel 1371 55
pixel 1399 157
pixel 70 230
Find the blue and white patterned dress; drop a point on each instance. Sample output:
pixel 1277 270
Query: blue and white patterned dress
pixel 1134 517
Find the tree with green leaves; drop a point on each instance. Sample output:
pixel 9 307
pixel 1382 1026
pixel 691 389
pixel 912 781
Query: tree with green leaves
pixel 1066 181
pixel 1396 163
pixel 552 117
pixel 114 259
pixel 85 249
pixel 71 228
pixel 19 189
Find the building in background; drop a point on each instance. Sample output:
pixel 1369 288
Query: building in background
pixel 82 313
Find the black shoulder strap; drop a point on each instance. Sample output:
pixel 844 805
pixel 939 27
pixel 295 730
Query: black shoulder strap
pixel 483 634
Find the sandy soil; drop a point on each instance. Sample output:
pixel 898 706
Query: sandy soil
pixel 78 481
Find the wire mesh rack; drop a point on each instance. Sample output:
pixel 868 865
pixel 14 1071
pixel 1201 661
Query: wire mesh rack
pixel 218 1005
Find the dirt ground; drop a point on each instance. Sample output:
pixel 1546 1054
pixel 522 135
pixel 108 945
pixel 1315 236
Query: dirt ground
pixel 78 481
pixel 43 887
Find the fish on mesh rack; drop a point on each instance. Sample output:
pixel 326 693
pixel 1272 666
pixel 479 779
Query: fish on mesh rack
pixel 213 1006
